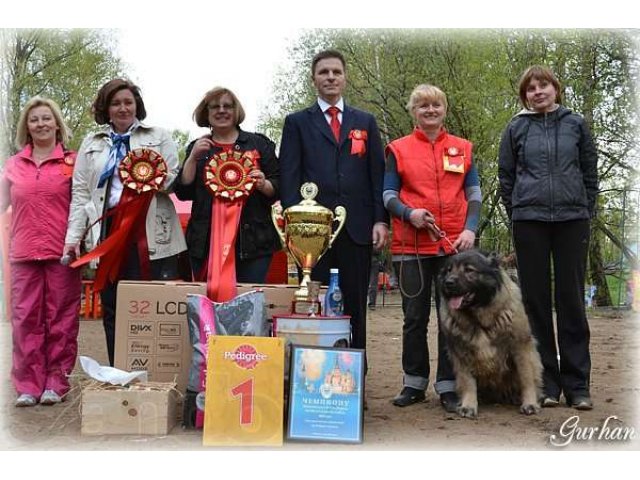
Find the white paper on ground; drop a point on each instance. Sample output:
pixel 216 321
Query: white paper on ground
pixel 110 375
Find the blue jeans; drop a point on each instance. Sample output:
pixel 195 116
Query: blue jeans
pixel 415 279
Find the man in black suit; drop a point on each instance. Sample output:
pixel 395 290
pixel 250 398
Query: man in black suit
pixel 338 148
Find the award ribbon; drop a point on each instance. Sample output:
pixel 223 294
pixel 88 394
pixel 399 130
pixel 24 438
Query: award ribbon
pixel 226 174
pixel 142 172
pixel 358 142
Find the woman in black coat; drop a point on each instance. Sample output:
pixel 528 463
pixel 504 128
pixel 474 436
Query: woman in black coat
pixel 548 185
pixel 221 111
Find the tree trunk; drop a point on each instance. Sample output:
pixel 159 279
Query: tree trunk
pixel 596 267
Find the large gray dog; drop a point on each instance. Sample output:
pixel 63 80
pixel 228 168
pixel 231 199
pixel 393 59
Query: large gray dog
pixel 490 343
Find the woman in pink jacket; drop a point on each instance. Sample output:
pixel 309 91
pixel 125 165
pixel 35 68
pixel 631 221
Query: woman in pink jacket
pixel 45 294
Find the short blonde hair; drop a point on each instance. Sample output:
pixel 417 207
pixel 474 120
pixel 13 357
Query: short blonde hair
pixel 22 132
pixel 201 113
pixel 426 92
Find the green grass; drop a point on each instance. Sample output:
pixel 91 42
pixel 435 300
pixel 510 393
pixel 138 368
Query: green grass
pixel 617 289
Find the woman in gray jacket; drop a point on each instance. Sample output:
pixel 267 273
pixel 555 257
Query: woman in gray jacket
pixel 548 185
pixel 97 190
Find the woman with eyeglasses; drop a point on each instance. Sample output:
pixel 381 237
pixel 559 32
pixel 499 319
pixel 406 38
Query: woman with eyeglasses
pixel 221 111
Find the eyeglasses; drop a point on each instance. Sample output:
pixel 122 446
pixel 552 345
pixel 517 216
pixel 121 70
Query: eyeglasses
pixel 221 106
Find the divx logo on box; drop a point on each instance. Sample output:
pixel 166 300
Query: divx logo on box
pixel 141 328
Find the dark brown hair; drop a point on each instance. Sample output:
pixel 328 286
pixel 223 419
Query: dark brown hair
pixel 539 73
pixel 327 54
pixel 101 104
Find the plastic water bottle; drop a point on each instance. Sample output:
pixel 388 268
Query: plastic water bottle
pixel 333 301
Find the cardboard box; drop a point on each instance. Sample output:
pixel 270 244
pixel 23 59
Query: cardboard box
pixel 277 297
pixel 139 409
pixel 152 332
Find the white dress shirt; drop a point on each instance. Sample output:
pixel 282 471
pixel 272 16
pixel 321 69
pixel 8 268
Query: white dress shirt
pixel 324 106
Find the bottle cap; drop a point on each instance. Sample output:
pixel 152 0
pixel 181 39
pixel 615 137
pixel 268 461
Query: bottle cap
pixel 333 270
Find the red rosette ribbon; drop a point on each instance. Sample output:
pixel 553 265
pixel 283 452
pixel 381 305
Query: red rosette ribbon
pixel 142 172
pixel 226 175
pixel 358 142
pixel 454 152
pixel 68 163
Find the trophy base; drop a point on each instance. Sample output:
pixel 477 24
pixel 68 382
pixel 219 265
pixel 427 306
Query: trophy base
pixel 305 307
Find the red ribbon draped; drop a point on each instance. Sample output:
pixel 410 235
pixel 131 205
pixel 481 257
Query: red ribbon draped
pixel 128 226
pixel 221 269
pixel 228 180
pixel 142 172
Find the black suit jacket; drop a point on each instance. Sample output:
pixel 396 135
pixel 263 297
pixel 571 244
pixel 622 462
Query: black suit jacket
pixel 310 152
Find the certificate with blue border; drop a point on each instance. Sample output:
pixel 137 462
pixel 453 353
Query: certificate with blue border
pixel 326 392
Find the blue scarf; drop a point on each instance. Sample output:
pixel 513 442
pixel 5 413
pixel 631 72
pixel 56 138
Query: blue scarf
pixel 119 148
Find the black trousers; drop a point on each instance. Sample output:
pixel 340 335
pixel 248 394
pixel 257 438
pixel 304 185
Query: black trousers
pixel 251 270
pixel 354 262
pixel 161 269
pixel 417 279
pixel 374 273
pixel 552 257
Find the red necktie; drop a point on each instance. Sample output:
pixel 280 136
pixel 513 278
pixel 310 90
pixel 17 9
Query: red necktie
pixel 335 123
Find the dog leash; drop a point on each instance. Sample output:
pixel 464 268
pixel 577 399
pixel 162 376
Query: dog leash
pixel 442 235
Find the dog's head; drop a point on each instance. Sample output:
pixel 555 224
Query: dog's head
pixel 469 279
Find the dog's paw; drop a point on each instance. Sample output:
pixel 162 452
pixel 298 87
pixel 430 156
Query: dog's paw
pixel 530 408
pixel 468 412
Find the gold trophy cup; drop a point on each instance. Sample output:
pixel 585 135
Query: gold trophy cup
pixel 308 234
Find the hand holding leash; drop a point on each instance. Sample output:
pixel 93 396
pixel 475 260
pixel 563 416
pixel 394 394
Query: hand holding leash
pixel 421 218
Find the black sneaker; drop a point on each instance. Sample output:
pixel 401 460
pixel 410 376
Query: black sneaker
pixel 449 401
pixel 408 396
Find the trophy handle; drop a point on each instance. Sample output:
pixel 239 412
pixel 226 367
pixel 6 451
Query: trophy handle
pixel 341 218
pixel 276 215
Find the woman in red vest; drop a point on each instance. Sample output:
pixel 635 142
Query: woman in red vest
pixel 432 191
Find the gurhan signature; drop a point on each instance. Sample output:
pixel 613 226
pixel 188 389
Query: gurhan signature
pixel 611 430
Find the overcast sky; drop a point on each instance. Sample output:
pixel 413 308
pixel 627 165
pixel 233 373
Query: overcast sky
pixel 178 49
pixel 173 75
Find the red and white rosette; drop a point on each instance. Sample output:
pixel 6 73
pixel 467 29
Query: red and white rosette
pixel 226 175
pixel 142 172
